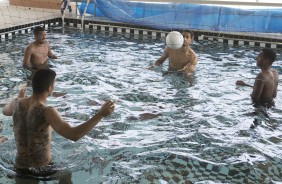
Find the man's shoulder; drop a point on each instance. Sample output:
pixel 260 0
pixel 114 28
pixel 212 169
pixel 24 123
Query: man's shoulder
pixel 191 50
pixel 49 110
pixel 260 75
pixel 30 46
pixel 274 71
pixel 167 49
pixel 263 77
pixel 22 101
pixel 46 43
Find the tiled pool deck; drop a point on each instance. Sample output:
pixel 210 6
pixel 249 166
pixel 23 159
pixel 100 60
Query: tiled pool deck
pixel 11 16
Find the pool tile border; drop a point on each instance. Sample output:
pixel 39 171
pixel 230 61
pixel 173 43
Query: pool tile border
pixel 117 27
pixel 230 39
pixel 8 33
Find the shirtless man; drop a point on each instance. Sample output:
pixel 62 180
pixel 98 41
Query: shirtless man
pixel 33 122
pixel 36 54
pixel 183 59
pixel 265 86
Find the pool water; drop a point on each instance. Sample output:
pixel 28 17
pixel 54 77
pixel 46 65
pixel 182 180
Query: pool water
pixel 166 128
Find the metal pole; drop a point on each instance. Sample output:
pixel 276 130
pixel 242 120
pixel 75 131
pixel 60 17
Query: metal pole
pixel 82 18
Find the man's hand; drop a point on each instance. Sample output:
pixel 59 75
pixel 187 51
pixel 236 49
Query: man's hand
pixel 107 108
pixel 150 67
pixel 8 109
pixel 22 93
pixel 241 83
pixel 53 56
pixel 189 68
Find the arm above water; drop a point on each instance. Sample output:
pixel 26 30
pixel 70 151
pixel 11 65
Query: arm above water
pixel 75 133
pixel 242 83
pixel 162 59
pixel 190 67
pixel 8 109
pixel 276 79
pixel 50 53
pixel 27 58
pixel 258 88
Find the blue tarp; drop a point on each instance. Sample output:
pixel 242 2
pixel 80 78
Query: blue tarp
pixel 173 16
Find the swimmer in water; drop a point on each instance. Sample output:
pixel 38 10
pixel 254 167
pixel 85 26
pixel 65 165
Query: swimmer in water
pixel 33 122
pixel 181 60
pixel 37 53
pixel 266 82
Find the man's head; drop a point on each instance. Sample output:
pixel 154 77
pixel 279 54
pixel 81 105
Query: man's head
pixel 43 81
pixel 39 34
pixel 266 57
pixel 269 54
pixel 188 37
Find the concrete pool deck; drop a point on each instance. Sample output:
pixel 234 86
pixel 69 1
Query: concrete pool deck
pixel 11 16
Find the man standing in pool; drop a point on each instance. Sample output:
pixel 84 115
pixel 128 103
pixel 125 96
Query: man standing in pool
pixel 266 82
pixel 37 53
pixel 183 59
pixel 33 122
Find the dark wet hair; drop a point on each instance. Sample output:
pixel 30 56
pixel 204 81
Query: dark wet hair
pixel 37 29
pixel 269 54
pixel 190 32
pixel 42 80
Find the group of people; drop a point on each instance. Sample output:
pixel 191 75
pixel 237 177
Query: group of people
pixel 264 91
pixel 33 120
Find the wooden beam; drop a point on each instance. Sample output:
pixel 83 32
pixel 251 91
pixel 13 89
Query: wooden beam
pixel 48 4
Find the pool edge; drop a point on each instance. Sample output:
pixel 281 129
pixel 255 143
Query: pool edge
pixel 110 26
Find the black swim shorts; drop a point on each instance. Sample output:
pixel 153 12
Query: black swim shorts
pixel 44 172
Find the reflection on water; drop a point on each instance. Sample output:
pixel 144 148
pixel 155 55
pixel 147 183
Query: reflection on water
pixel 166 128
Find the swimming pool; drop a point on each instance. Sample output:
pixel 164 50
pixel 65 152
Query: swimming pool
pixel 166 128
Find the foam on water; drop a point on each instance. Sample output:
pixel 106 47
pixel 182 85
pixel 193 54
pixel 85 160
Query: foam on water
pixel 166 128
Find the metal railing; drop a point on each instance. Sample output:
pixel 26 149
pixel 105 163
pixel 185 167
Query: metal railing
pixel 83 14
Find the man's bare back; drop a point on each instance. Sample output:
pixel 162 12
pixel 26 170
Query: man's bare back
pixel 33 122
pixel 265 84
pixel 32 134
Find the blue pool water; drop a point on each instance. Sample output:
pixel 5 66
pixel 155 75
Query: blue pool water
pixel 166 128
